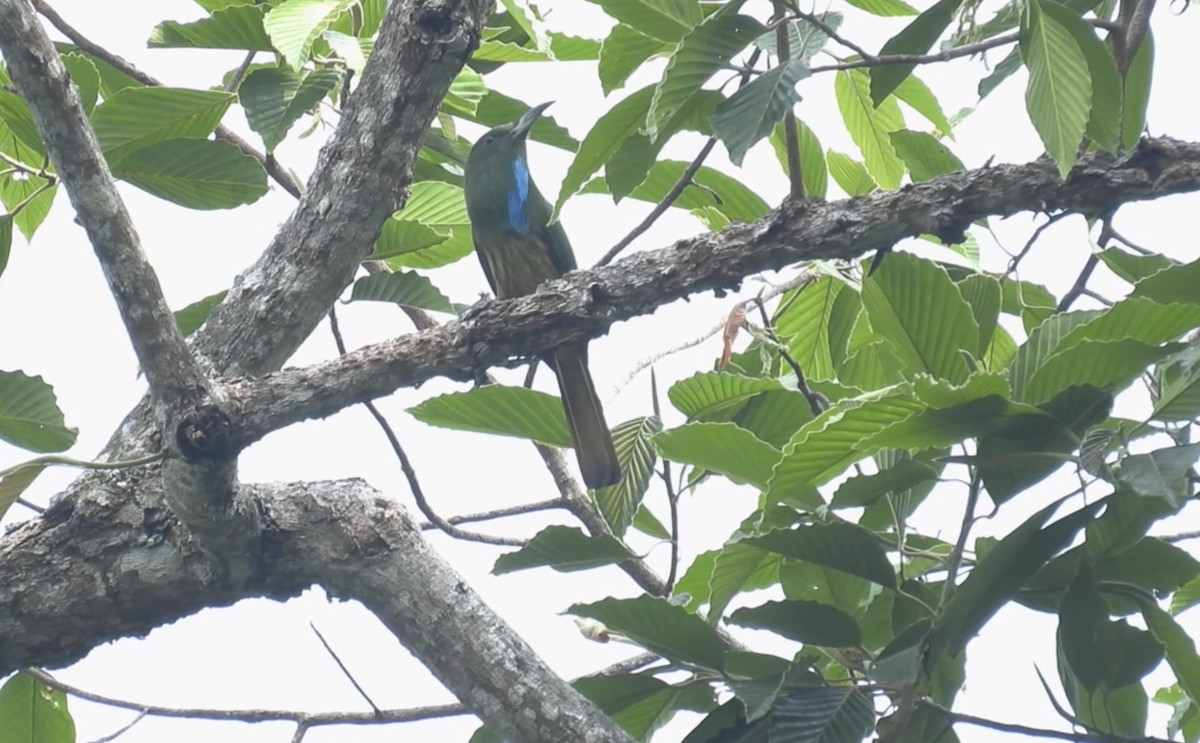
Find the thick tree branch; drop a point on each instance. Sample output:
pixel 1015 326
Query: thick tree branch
pixel 103 567
pixel 585 304
pixel 175 379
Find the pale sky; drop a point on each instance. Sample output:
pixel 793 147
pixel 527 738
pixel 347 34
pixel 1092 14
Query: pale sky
pixel 62 324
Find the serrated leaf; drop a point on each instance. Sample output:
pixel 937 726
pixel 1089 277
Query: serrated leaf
pixel 706 395
pixel 635 157
pixel 821 714
pixel 1136 98
pixel 1176 284
pixel 884 8
pixel 720 447
pixel 28 198
pixel 294 25
pixel 623 51
pixel 1177 397
pixel 918 37
pixel 137 117
pixel 564 548
pixel 29 414
pixel 802 322
pixel 603 140
pixel 850 175
pixel 701 54
pixel 666 20
pixel 496 108
pixel 85 77
pixel 351 49
pixel 812 157
pixel 925 155
pixel 237 26
pixel 982 293
pixel 1133 267
pixel 1059 94
pixel 500 410
pixel 917 95
pixel 862 490
pixel 1104 120
pixel 869 125
pixel 1105 364
pixel 407 288
pixel 1161 473
pixel 275 98
pixel 1180 648
pixel 633 442
pixel 31 711
pixel 16 482
pixel 840 546
pixel 190 318
pixel 1000 573
pixel 661 627
pixel 753 111
pixel 196 173
pixel 915 306
pixel 809 622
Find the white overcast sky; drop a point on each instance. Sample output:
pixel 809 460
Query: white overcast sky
pixel 60 322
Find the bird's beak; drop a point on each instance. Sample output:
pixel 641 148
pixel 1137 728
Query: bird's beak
pixel 521 128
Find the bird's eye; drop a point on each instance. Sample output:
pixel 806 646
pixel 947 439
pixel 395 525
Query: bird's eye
pixel 489 139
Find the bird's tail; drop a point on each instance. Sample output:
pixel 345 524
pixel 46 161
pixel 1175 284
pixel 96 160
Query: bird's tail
pixel 585 418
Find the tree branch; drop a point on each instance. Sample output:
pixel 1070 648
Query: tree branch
pixel 584 304
pixel 945 56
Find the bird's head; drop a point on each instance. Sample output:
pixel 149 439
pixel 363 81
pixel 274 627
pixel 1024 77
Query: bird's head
pixel 506 142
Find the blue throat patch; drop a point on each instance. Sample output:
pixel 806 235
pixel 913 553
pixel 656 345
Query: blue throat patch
pixel 518 196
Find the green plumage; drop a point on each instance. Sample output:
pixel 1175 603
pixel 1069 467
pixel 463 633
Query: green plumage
pixel 519 249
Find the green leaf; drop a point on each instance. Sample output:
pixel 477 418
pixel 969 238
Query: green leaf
pixel 1001 573
pixel 661 627
pixel 85 77
pixel 1179 647
pixel 501 410
pixel 919 310
pixel 564 548
pixel 845 547
pixel 1177 397
pixel 623 51
pixel 753 111
pixel 884 8
pixel 29 414
pixel 925 155
pixel 1161 473
pixel 1105 364
pixel 641 704
pixel 238 26
pixel 137 117
pixel 1001 72
pixel 720 447
pixel 812 158
pixel 352 50
pixel 1133 267
pixel 496 108
pixel 1174 284
pixel 1136 98
pixel 805 38
pixel 870 124
pixel 190 318
pixel 809 622
pixel 31 711
pixel 701 54
pixel 850 175
pixel 710 188
pixel 605 137
pixel 633 441
pixel 6 235
pixel 196 173
pixel 275 98
pixel 982 293
pixel 1059 94
pixel 917 94
pixel 666 20
pixel 34 195
pixel 918 37
pixel 708 395
pixel 15 114
pixel 802 322
pixel 16 482
pixel 294 25
pixel 820 714
pixel 1104 121
pixel 862 490
pixel 406 288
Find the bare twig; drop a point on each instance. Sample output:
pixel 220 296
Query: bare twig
pixel 346 671
pixel 236 78
pixel 816 401
pixel 919 59
pixel 410 474
pixel 280 174
pixel 1015 261
pixel 832 33
pixel 685 180
pixel 31 506
pixel 500 513
pixel 1009 727
pixel 121 730
pixel 954 562
pixel 1080 285
pixel 791 143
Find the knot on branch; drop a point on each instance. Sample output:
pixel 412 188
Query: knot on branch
pixel 206 434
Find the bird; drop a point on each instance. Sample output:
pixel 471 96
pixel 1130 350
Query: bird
pixel 518 249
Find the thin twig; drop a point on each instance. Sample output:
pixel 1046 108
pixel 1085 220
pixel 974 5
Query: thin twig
pixel 236 78
pixel 409 473
pixel 122 730
pixel 919 59
pixel 346 671
pixel 1009 727
pixel 1015 261
pixel 1080 283
pixel 280 174
pixel 816 401
pixel 832 33
pixel 783 48
pixel 954 562
pixel 500 513
pixel 672 496
pixel 31 506
pixel 685 180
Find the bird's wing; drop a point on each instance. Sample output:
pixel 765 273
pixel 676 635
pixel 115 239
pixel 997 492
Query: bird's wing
pixel 553 235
